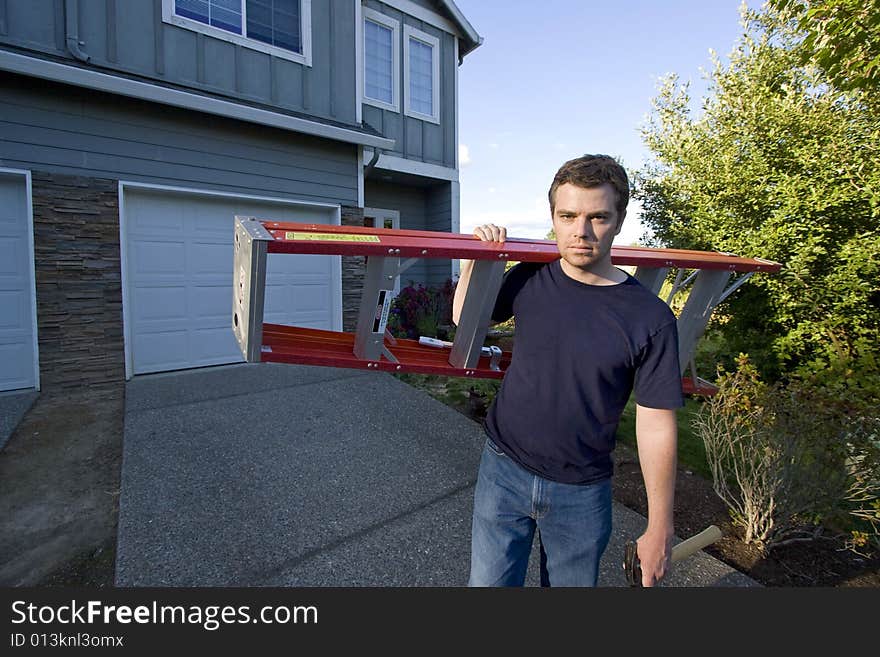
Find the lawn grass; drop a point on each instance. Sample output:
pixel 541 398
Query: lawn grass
pixel 691 451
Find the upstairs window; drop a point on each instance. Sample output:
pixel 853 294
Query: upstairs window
pixel 278 27
pixel 421 75
pixel 381 60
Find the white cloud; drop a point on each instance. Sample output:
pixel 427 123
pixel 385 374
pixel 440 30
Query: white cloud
pixel 464 155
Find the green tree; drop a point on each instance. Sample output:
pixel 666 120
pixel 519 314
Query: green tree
pixel 841 36
pixel 782 162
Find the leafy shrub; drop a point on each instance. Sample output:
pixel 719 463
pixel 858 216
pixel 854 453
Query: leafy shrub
pixel 791 459
pixel 422 311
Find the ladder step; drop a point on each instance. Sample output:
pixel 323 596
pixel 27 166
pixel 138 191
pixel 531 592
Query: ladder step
pixel 305 346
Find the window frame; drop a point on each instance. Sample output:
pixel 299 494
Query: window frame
pixel 170 16
pixel 394 25
pixel 410 32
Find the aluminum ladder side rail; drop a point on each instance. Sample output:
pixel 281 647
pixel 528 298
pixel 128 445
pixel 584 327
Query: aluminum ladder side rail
pixel 250 247
pixel 707 292
pixel 476 311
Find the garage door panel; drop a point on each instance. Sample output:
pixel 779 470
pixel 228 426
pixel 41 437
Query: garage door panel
pixel 17 330
pixel 211 258
pixel 213 344
pixel 315 321
pixel 154 215
pixel 158 258
pixel 163 303
pixel 211 302
pixel 300 265
pixel 13 256
pixel 161 350
pixel 14 207
pixel 310 298
pixel 18 366
pixel 14 310
pixel 180 285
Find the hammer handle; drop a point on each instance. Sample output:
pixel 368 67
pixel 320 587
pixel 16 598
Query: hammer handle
pixel 695 543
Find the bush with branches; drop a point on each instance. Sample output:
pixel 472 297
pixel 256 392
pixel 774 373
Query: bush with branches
pixel 792 460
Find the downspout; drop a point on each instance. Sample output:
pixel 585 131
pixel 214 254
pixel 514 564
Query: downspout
pixel 71 30
pixel 372 163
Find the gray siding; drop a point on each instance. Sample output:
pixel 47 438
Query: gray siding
pixel 420 140
pixel 129 36
pixel 52 127
pixel 438 217
pixel 420 209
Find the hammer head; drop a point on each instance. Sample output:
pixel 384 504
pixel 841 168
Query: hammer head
pixel 631 565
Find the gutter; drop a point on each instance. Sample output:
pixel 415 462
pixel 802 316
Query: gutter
pixel 372 163
pixel 71 31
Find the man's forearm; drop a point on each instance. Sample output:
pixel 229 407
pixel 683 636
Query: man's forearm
pixel 657 438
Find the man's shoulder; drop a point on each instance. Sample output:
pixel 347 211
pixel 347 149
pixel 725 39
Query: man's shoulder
pixel 645 304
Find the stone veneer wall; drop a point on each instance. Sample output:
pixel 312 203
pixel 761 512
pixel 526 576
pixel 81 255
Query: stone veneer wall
pixel 78 275
pixel 353 268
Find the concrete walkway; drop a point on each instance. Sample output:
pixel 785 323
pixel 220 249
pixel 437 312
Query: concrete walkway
pixel 282 475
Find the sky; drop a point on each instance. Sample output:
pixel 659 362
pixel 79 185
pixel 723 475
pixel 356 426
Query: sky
pixel 559 78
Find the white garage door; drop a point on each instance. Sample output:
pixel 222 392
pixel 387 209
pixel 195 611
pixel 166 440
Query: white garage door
pixel 178 278
pixel 18 351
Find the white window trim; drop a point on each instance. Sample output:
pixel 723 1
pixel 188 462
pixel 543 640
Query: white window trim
pixel 410 32
pixel 168 16
pixel 394 26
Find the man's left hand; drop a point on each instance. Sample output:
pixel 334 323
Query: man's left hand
pixel 655 555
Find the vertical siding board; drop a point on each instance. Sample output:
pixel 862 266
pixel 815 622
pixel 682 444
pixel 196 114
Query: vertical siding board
pixel 181 55
pixel 413 138
pixel 332 59
pixel 255 74
pixel 433 136
pixel 345 90
pixel 289 83
pixel 26 22
pixel 112 45
pixel 137 31
pixel 58 23
pixel 219 64
pixel 447 99
pixel 318 76
pixel 92 24
pixel 158 39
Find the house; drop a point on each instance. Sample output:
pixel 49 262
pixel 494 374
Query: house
pixel 131 133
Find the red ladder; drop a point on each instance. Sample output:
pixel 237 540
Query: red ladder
pixel 390 252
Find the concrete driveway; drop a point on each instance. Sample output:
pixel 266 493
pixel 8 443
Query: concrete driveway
pixel 283 475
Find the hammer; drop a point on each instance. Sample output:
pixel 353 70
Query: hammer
pixel 686 548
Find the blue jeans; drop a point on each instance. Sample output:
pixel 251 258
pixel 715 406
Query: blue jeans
pixel 510 502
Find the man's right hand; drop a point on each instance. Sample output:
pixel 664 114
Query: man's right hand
pixel 486 233
pixel 491 233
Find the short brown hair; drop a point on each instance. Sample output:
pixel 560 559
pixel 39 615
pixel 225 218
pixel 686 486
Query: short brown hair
pixel 593 171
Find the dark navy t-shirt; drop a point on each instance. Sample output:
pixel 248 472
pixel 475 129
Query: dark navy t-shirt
pixel 580 351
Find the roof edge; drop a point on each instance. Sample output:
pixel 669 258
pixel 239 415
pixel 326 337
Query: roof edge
pixel 474 40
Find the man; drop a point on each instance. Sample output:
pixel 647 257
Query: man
pixel 587 336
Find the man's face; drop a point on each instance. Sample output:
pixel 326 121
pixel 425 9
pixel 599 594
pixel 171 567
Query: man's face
pixel 586 222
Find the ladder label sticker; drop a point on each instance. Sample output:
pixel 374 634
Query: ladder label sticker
pixel 330 237
pixel 382 308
